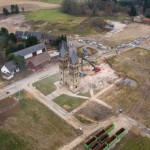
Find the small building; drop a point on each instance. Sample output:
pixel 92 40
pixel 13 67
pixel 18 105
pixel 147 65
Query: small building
pixel 146 21
pixel 10 68
pixel 31 51
pixel 138 19
pixel 38 61
pixel 42 37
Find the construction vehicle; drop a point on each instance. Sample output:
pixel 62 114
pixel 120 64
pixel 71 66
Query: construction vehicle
pixel 96 69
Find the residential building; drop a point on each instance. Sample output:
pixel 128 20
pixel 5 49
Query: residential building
pixel 31 51
pixel 9 69
pixel 139 19
pixel 38 61
pixel 146 21
pixel 42 37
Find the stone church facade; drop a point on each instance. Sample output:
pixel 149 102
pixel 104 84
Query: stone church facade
pixel 69 67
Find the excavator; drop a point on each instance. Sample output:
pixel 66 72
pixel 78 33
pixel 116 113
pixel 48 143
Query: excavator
pixel 96 69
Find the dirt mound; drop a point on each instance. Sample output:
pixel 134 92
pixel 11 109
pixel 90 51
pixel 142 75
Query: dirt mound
pixel 96 23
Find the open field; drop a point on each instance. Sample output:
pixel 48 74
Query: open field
pixel 46 85
pixel 94 111
pixel 20 23
pixel 69 103
pixel 34 126
pixel 58 22
pixel 130 33
pixel 130 141
pixel 7 107
pixel 132 95
pixel 54 21
pixel 27 4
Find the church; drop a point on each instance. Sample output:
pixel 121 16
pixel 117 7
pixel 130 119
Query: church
pixel 69 67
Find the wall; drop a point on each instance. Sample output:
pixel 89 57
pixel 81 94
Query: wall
pixel 4 70
pixel 39 52
pixel 28 56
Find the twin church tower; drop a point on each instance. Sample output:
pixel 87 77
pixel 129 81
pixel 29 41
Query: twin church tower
pixel 69 67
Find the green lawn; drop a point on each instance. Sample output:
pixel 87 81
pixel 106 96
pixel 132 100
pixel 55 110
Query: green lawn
pixel 46 85
pixel 83 120
pixel 51 1
pixel 49 15
pixel 71 103
pixel 34 127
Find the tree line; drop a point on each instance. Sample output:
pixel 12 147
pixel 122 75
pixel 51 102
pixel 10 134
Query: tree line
pixel 95 7
pixel 14 9
pixel 91 7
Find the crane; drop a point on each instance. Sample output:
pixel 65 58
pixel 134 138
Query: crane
pixel 96 69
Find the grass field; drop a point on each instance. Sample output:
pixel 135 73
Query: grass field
pixel 34 127
pixel 52 1
pixel 57 22
pixel 46 85
pixel 49 15
pixel 135 102
pixel 69 103
pixel 133 142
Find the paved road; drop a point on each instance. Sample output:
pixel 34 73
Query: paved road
pixel 17 86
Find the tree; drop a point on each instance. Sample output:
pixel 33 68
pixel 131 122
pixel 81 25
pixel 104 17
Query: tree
pixel 4 32
pixel 3 42
pixel 22 9
pixel 16 9
pixel 5 12
pixel 11 48
pixel 12 37
pixel 132 11
pixel 20 62
pixel 13 9
pixel 32 40
pixel 10 57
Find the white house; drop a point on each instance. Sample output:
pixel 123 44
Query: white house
pixel 9 69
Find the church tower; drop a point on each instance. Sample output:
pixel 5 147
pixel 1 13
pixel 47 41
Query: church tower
pixel 73 71
pixel 63 63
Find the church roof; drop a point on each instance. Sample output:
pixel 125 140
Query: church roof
pixel 74 57
pixel 63 51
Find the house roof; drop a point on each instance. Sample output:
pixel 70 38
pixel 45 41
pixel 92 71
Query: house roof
pixel 38 35
pixel 39 59
pixel 30 50
pixel 11 65
pixel 146 19
pixel 19 33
